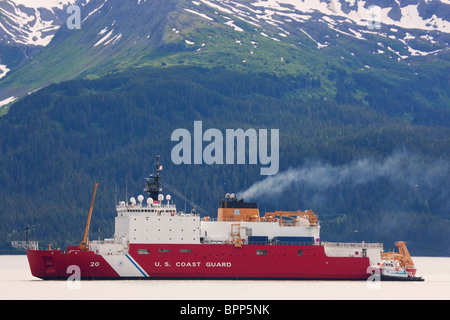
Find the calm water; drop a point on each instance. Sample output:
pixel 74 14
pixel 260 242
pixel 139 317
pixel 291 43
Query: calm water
pixel 16 282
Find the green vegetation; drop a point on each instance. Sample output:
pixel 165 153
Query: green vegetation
pixel 59 141
pixel 348 70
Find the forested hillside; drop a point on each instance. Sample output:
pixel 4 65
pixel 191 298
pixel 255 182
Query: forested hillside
pixel 56 143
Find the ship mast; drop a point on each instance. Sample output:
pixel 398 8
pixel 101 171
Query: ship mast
pixel 153 183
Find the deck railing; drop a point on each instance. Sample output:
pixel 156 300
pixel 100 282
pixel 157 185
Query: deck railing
pixel 27 245
pixel 353 244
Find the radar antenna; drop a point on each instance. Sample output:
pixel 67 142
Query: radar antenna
pixel 153 183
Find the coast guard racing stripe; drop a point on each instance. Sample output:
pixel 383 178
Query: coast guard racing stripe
pixel 125 266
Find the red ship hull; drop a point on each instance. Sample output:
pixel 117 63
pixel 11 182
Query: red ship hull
pixel 200 261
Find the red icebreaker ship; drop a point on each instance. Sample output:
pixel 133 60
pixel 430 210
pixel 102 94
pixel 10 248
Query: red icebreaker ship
pixel 152 240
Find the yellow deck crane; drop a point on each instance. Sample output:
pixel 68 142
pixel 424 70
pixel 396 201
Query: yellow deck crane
pixel 84 245
pixel 403 256
pixel 309 214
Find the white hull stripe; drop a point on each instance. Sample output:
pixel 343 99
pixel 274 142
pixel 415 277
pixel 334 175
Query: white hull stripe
pixel 137 266
pixel 125 266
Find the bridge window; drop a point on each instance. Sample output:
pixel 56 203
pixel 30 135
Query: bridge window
pixel 143 251
pixel 261 252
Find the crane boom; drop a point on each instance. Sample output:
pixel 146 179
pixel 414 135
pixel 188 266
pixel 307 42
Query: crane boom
pixel 287 214
pixel 403 250
pixel 84 246
pixel 403 256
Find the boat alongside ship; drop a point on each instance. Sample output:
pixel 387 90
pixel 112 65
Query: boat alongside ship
pixel 153 240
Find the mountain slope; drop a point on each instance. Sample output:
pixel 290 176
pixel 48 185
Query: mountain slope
pixel 72 52
pixel 277 36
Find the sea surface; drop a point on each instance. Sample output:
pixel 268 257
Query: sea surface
pixel 16 282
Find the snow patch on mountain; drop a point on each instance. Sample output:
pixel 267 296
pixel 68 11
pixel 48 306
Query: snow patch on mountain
pixel 44 4
pixel 355 11
pixel 360 13
pixel 359 19
pixel 104 38
pixel 95 10
pixel 3 70
pixel 7 101
pixel 33 22
pixel 200 14
pixel 27 29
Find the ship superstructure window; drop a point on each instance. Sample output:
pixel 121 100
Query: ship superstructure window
pixel 143 251
pixel 164 250
pixel 185 250
pixel 261 252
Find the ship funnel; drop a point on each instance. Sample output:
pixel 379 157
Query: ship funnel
pixel 232 209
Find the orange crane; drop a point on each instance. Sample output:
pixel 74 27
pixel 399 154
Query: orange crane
pixel 312 218
pixel 403 256
pixel 236 235
pixel 84 245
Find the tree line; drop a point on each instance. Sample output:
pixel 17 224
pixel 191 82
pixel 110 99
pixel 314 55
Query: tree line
pixel 56 143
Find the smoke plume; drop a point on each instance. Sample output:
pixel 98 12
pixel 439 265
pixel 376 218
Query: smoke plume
pixel 401 168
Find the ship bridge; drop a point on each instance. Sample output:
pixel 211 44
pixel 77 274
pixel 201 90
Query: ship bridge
pixel 156 222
